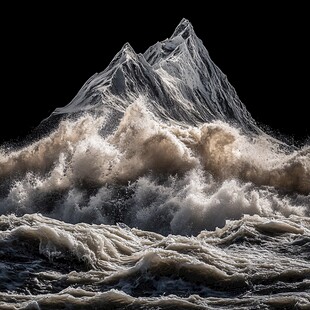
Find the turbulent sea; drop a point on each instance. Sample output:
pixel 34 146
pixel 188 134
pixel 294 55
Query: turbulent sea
pixel 155 196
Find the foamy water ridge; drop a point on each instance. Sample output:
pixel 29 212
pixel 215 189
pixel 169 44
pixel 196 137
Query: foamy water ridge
pixel 188 178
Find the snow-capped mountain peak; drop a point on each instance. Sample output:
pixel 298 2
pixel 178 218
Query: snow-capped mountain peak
pixel 176 76
pixel 125 53
pixel 184 29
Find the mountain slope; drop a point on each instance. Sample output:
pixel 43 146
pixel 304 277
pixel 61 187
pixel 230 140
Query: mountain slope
pixel 185 65
pixel 178 78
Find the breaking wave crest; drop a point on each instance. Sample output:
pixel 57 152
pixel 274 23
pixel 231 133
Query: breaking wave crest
pixel 153 175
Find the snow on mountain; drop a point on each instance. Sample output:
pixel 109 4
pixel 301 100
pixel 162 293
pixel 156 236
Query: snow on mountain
pixel 178 78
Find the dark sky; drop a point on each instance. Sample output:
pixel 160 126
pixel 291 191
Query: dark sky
pixel 49 52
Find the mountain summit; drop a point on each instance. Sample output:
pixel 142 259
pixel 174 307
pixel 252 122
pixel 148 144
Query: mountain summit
pixel 176 76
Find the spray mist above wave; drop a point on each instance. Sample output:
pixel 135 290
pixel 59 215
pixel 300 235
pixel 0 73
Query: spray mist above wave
pixel 159 177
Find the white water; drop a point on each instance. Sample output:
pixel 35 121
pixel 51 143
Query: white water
pixel 185 178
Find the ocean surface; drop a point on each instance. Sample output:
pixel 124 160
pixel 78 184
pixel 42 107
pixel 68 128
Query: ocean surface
pixel 133 208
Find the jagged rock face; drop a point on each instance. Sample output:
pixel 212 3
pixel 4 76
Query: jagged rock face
pixel 176 76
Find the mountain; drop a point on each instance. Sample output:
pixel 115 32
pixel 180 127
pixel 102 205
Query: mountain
pixel 177 77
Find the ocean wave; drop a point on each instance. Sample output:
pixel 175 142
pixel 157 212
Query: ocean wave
pixel 121 266
pixel 156 176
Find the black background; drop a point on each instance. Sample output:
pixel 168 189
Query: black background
pixel 49 52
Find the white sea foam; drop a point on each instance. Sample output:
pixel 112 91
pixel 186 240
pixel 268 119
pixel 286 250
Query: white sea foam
pixel 166 178
pixel 123 263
